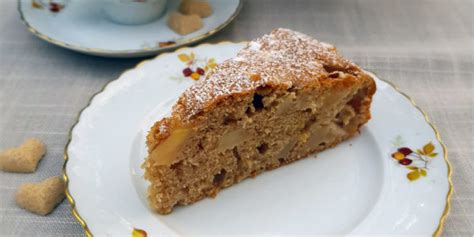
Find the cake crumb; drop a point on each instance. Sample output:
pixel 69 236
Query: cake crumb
pixel 24 158
pixel 194 7
pixel 41 198
pixel 184 24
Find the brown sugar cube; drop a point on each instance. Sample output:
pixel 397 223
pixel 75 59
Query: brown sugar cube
pixel 41 198
pixel 200 8
pixel 24 158
pixel 184 24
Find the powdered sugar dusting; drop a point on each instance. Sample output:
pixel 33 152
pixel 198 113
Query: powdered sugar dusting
pixel 238 59
pixel 285 58
pixel 163 128
pixel 253 45
pixel 329 46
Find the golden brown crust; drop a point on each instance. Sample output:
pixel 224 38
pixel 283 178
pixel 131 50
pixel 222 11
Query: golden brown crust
pixel 282 59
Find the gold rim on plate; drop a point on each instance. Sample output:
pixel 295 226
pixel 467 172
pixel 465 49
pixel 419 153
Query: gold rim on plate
pixel 83 223
pixel 127 53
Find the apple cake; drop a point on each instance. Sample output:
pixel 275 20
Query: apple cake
pixel 283 97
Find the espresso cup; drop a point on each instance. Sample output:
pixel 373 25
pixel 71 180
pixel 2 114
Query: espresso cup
pixel 133 12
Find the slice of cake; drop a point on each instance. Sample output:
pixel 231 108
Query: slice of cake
pixel 283 97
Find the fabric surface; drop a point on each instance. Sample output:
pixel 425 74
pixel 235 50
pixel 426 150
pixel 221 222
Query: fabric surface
pixel 424 47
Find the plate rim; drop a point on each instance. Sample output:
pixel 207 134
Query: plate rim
pixel 83 223
pixel 126 53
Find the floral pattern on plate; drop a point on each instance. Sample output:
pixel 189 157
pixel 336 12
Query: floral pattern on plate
pixel 195 67
pixel 138 233
pixel 416 161
pixel 52 6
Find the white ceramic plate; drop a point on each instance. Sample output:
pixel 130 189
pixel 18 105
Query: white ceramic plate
pixel 355 188
pixel 81 26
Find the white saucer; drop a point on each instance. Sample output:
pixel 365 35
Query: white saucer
pixel 81 26
pixel 357 188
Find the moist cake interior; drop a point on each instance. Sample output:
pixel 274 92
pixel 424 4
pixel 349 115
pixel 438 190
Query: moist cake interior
pixel 244 136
